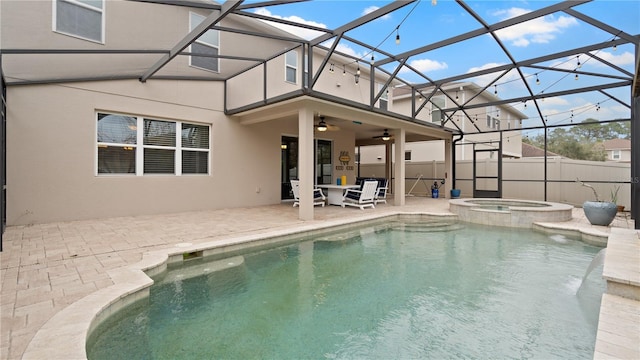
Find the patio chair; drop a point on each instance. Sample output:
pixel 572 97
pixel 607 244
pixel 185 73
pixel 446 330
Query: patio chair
pixel 381 192
pixel 318 195
pixel 361 198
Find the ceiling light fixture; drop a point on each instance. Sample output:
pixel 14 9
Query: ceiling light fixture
pixel 322 126
pixel 385 135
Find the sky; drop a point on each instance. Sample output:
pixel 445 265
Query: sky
pixel 426 22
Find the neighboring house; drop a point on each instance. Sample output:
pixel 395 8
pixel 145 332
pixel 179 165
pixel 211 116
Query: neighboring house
pixel 491 118
pixel 618 150
pixel 531 151
pixel 108 115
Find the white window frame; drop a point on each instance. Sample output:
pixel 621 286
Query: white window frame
pixel 383 101
pixel 616 154
pixel 200 41
pixel 434 108
pixel 294 67
pixel 139 147
pixel 54 23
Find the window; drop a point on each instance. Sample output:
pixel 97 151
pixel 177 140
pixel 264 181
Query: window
pixel 407 155
pixel 80 18
pixel 157 149
pixel 384 98
pixel 438 102
pixel 305 76
pixel 616 154
pixel 291 66
pixel 208 44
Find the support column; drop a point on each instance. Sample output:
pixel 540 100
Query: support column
pixel 448 168
pixel 305 163
pixel 399 186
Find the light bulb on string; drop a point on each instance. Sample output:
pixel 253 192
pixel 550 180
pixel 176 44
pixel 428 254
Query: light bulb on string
pixel 397 36
pixel 537 80
pixel 579 64
pixel 344 70
pixel 576 77
pixel 372 60
pixel 358 70
pixel 495 89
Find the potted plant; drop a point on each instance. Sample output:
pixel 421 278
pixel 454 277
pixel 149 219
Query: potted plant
pixel 435 189
pixel 599 212
pixel 614 198
pixel 455 193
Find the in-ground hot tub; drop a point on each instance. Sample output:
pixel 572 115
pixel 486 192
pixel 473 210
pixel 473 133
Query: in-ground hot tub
pixel 509 212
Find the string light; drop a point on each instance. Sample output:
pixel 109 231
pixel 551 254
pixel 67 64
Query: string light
pixel 372 60
pixel 358 69
pixel 357 78
pixel 579 64
pixel 456 95
pixel 398 35
pixel 331 67
pixel 495 89
pixel 576 77
pixel 537 80
pixel 344 70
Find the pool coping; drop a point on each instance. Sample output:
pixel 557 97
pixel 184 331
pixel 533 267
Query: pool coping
pixel 66 333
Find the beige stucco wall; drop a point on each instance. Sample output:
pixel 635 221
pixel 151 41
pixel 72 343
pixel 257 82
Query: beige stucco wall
pixel 51 153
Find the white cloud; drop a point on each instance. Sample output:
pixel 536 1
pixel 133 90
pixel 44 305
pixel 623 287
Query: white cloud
pixel 370 9
pixel 625 58
pixel 541 30
pixel 506 82
pixel 425 65
pixel 298 31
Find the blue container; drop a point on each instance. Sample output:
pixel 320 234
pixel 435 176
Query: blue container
pixel 434 193
pixel 455 193
pixel 338 181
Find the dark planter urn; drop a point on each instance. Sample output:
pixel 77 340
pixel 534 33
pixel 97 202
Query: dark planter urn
pixel 600 213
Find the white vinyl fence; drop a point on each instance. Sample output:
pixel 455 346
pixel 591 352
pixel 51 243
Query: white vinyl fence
pixel 524 178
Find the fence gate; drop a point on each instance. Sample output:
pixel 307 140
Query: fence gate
pixel 487 180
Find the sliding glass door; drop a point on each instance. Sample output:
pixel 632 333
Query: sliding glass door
pixel 289 154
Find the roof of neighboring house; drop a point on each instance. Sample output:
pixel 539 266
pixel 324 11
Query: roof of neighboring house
pixel 529 150
pixel 617 144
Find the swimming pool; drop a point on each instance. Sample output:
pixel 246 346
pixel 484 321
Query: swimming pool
pixel 394 290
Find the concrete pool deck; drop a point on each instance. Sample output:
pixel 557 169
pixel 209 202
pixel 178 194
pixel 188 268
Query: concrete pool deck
pixel 48 267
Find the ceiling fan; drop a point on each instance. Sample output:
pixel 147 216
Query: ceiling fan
pixel 385 135
pixel 322 126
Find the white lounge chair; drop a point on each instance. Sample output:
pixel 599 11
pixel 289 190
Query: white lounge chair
pixel 361 198
pixel 381 192
pixel 318 195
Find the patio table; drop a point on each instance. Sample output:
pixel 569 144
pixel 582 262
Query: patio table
pixel 335 192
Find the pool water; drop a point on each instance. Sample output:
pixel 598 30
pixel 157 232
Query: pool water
pixel 398 291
